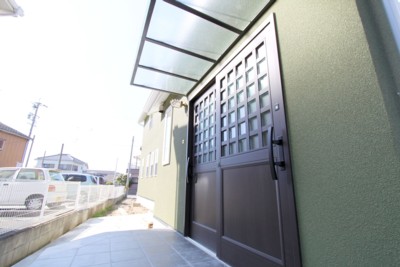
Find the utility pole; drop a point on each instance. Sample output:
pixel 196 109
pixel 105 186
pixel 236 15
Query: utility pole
pixel 129 166
pixel 44 155
pixel 31 116
pixel 30 150
pixel 59 159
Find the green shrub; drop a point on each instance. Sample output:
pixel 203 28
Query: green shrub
pixel 103 212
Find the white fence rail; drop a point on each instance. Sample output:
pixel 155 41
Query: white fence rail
pixel 24 204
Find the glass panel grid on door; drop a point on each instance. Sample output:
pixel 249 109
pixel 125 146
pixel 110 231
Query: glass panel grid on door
pixel 205 129
pixel 247 92
pixel 245 104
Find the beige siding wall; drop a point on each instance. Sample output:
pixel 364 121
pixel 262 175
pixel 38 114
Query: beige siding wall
pixel 13 150
pixel 167 188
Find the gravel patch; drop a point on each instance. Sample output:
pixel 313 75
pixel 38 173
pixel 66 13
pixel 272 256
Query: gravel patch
pixel 127 206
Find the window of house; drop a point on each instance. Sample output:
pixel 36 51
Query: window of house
pixel 167 136
pixel 2 142
pixel 148 165
pixel 66 167
pixel 155 162
pixel 151 163
pixel 48 165
pixel 142 169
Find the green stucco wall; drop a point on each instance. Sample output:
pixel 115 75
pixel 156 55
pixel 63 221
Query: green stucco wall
pixel 345 166
pixel 170 200
pixel 343 123
pixel 147 186
pixel 167 189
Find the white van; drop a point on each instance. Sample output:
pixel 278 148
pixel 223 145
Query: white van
pixel 27 187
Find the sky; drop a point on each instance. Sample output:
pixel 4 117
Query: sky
pixel 76 57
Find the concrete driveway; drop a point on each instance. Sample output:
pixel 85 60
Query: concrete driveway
pixel 117 241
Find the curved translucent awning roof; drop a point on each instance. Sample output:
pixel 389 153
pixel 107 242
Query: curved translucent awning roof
pixel 183 39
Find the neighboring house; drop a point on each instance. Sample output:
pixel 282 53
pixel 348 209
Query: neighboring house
pixel 134 169
pixel 12 146
pixel 134 175
pixel 10 8
pixel 67 163
pixel 292 131
pixel 163 158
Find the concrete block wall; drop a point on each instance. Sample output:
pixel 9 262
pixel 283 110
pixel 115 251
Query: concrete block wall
pixel 15 246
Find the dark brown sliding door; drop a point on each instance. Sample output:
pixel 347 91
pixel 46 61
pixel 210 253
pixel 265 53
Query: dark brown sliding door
pixel 242 192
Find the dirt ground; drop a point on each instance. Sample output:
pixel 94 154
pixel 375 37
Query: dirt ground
pixel 126 207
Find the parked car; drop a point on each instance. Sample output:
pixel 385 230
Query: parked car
pixel 84 178
pixel 100 180
pixel 28 186
pixel 87 192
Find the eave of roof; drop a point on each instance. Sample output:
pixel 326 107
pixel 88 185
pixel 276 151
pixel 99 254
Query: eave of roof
pixel 153 104
pixel 9 130
pixel 64 157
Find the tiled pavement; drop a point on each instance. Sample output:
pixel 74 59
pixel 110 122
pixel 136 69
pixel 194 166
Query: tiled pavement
pixel 119 241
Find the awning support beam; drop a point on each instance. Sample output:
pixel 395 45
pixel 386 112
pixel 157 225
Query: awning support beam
pixel 168 73
pixel 144 34
pixel 179 49
pixel 157 89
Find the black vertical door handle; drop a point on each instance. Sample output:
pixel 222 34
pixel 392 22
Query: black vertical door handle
pixel 187 169
pixel 270 144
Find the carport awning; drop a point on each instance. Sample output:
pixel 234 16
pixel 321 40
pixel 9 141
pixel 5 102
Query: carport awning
pixel 183 39
pixel 10 8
